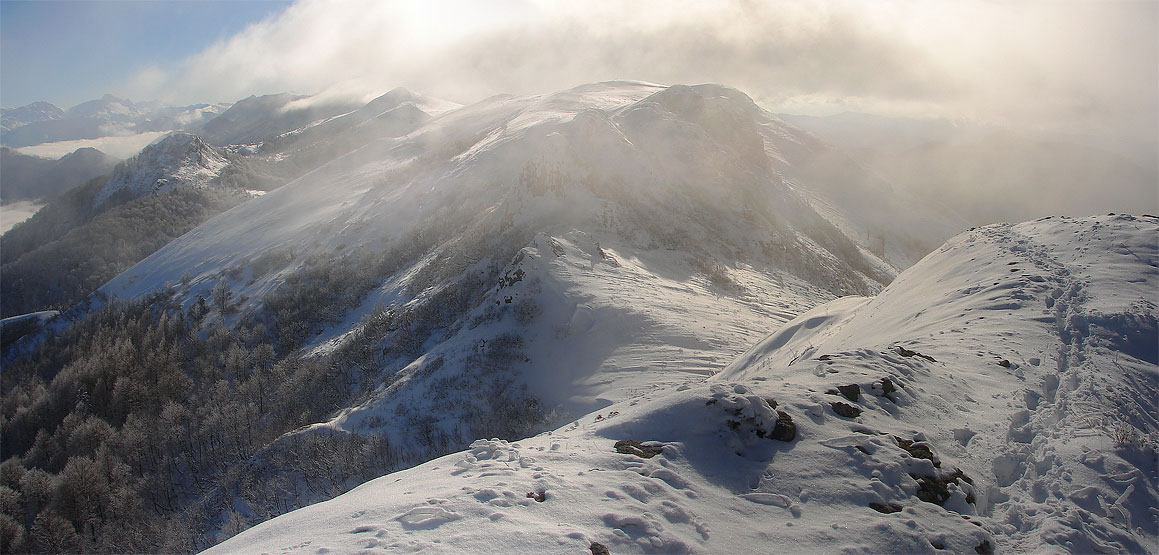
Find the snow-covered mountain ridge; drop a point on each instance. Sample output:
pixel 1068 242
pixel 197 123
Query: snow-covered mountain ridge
pixel 178 160
pixel 12 118
pixel 606 198
pixel 997 396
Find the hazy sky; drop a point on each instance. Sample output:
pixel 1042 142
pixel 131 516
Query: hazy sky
pixel 1082 64
pixel 67 52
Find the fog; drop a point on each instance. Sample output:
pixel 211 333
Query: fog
pixel 1042 63
pixel 1082 71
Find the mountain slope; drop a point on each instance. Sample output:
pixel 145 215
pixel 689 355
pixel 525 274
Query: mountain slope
pixel 258 117
pixel 525 260
pixel 93 232
pixel 997 396
pixel 498 269
pixel 29 177
pixel 394 114
pixel 645 186
pixel 108 108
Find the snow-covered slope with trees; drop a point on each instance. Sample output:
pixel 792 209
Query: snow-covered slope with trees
pixel 93 232
pixel 436 274
pixel 997 396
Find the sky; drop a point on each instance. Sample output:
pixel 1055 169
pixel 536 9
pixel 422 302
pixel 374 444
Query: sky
pixel 1075 64
pixel 67 52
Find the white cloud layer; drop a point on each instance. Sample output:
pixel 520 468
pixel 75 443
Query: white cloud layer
pixel 1088 66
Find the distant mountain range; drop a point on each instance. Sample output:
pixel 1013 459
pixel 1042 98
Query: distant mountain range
pixel 12 118
pixel 41 122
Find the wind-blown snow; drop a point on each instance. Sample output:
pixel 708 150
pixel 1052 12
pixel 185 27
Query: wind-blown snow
pixel 990 377
pixel 623 131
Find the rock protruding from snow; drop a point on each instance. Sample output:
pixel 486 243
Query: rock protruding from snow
pixel 178 160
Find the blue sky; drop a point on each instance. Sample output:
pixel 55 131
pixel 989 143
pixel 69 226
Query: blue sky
pixel 67 52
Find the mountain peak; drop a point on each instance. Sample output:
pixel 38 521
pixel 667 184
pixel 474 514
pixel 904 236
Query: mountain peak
pixel 108 107
pixel 11 118
pixel 177 160
pixel 257 118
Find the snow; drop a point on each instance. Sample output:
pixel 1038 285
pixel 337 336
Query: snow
pixel 593 345
pixel 40 317
pixel 17 333
pixel 256 118
pixel 997 368
pixel 502 136
pixel 108 107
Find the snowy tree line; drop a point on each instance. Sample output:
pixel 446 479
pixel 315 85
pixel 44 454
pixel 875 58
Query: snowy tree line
pixel 69 249
pixel 137 428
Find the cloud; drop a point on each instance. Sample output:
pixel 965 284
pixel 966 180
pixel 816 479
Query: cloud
pixel 1063 64
pixel 117 146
